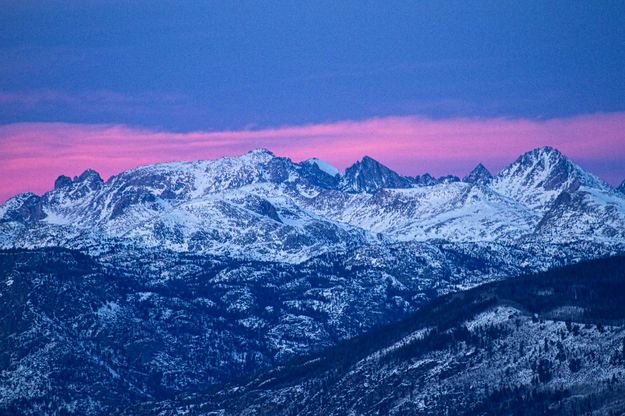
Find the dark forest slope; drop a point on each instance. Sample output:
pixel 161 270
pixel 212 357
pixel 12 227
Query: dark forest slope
pixel 550 343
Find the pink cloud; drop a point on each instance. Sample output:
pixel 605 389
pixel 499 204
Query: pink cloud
pixel 32 155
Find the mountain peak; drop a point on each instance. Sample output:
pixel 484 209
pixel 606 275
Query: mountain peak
pixel 319 173
pixel 259 155
pixel 545 151
pixel 539 176
pixel 426 179
pixel 261 151
pixel 545 167
pixel 621 187
pixel 62 182
pixel 369 175
pixel 89 175
pixel 368 162
pixel 448 179
pixel 479 175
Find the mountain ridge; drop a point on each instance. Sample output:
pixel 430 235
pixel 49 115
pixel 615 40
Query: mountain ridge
pixel 259 205
pixel 263 154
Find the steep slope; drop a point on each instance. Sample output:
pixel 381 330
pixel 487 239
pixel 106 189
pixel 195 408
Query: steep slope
pixel 552 343
pixel 621 187
pixel 320 173
pixel 323 166
pixel 454 211
pixel 587 213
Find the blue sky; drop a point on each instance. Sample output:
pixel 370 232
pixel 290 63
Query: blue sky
pixel 185 66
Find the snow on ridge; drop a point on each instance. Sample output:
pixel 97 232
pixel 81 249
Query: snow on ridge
pixel 492 316
pixel 323 166
pixel 264 206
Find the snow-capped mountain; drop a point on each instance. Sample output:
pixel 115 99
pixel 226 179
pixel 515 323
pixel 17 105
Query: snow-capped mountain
pixel 538 177
pixel 621 187
pixel 231 206
pixel 261 206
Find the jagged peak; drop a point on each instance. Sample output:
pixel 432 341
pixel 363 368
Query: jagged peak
pixel 448 179
pixel 368 162
pixel 481 168
pixel 479 174
pixel 621 187
pixel 259 155
pixel 550 161
pixel 426 179
pixel 543 153
pixel 543 159
pixel 369 175
pixel 261 151
pixel 62 182
pixel 546 150
pixel 87 181
pixel 89 174
pixel 537 177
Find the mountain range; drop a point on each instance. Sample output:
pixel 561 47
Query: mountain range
pixel 170 278
pixel 262 207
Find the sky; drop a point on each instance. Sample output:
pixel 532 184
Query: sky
pixel 427 86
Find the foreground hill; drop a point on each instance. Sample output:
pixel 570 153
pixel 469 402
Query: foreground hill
pixel 91 334
pixel 550 343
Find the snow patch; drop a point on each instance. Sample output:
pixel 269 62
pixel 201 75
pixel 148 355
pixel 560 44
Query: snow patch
pixel 110 310
pixel 324 166
pixel 493 316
